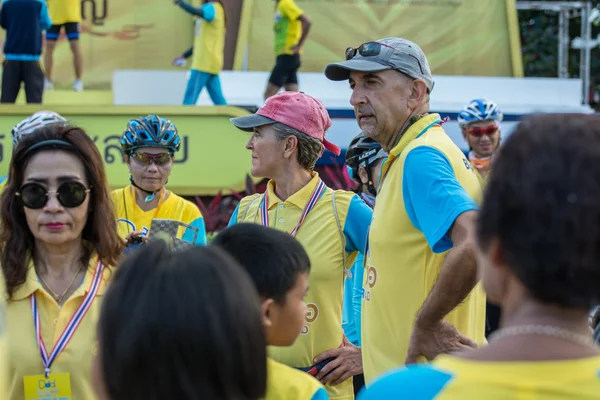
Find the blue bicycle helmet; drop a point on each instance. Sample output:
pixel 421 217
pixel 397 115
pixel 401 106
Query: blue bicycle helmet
pixel 479 110
pixel 150 131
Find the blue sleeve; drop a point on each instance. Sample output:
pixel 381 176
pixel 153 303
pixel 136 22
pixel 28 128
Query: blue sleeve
pixel 45 20
pixel 357 287
pixel 356 227
pixel 433 197
pixel 415 382
pixel 188 236
pixel 234 217
pixel 206 12
pixel 320 394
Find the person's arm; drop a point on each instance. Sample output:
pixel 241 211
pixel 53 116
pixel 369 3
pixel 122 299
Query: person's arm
pixel 306 24
pixel 356 227
pixel 188 53
pixel 357 288
pixel 441 208
pixel 458 276
pixel 206 12
pixel 45 20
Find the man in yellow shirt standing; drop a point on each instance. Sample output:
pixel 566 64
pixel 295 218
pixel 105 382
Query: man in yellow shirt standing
pixel 207 52
pixel 291 30
pixel 64 14
pixel 418 297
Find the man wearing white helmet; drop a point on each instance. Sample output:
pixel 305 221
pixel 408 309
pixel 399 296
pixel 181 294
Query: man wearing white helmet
pixel 480 125
pixel 29 125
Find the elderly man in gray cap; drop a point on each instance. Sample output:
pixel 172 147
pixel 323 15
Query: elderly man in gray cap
pixel 420 296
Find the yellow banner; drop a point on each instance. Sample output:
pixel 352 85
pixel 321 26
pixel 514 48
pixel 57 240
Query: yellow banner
pixel 212 157
pixel 123 34
pixel 459 37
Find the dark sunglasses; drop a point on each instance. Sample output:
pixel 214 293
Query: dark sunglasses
pixel 146 159
pixel 372 49
pixel 70 194
pixel 479 132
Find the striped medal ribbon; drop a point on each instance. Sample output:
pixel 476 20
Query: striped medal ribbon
pixel 314 198
pixel 72 326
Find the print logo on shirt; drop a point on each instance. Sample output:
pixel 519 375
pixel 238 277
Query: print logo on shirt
pixel 312 313
pixel 277 16
pixel 371 282
pixel 145 229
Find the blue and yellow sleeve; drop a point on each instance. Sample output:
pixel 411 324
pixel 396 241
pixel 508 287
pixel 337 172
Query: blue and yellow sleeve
pixel 206 12
pixel 189 234
pixel 320 394
pixel 433 197
pixel 418 382
pixel 356 227
pixel 234 217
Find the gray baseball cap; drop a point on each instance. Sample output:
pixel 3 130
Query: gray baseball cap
pixel 394 53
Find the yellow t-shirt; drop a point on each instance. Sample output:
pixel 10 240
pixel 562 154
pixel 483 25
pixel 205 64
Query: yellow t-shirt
pixel 76 359
pixel 401 267
pixel 131 218
pixel 209 40
pixel 288 28
pixel 63 11
pixel 452 378
pixel 329 248
pixel 287 383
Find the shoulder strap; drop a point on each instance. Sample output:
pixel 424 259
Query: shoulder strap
pixel 340 230
pixel 249 204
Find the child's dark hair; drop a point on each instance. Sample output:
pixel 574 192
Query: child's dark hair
pixel 182 325
pixel 542 204
pixel 273 259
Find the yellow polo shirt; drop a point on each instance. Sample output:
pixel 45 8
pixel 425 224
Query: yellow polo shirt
pixel 426 183
pixel 76 359
pixel 209 40
pixel 453 378
pixel 63 11
pixel 131 218
pixel 327 246
pixel 287 383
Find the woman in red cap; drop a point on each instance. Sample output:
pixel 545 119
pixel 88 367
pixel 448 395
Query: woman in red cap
pixel 288 137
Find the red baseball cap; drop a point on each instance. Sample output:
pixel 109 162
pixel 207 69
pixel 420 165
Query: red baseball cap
pixel 294 109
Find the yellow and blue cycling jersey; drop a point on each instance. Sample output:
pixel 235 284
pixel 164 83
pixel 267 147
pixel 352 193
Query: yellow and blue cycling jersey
pixel 353 291
pixel 64 11
pixel 426 183
pixel 288 28
pixel 131 218
pixel 450 378
pixel 332 248
pixel 287 383
pixel 209 37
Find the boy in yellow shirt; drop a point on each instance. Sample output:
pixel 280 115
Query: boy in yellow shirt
pixel 279 267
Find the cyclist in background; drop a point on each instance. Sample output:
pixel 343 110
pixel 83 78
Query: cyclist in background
pixel 363 161
pixel 149 145
pixel 480 125
pixel 29 125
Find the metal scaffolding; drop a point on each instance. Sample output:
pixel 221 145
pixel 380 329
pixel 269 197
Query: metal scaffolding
pixel 567 10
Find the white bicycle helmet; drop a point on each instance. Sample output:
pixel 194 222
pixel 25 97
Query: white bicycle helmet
pixel 479 110
pixel 34 121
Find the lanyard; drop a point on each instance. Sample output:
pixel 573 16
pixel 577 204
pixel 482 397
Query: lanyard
pixel 72 326
pixel 383 175
pixel 314 198
pixel 135 205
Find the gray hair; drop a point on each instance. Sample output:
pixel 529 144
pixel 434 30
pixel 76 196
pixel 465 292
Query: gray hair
pixel 309 148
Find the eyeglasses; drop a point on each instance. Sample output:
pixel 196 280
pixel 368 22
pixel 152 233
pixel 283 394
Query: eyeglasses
pixel 372 49
pixel 146 158
pixel 69 194
pixel 479 132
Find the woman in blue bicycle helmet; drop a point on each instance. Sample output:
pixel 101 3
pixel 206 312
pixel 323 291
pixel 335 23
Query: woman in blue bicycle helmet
pixel 480 125
pixel 149 145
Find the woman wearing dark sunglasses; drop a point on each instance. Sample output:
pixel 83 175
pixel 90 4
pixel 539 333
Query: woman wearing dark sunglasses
pixel 480 124
pixel 59 240
pixel 149 145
